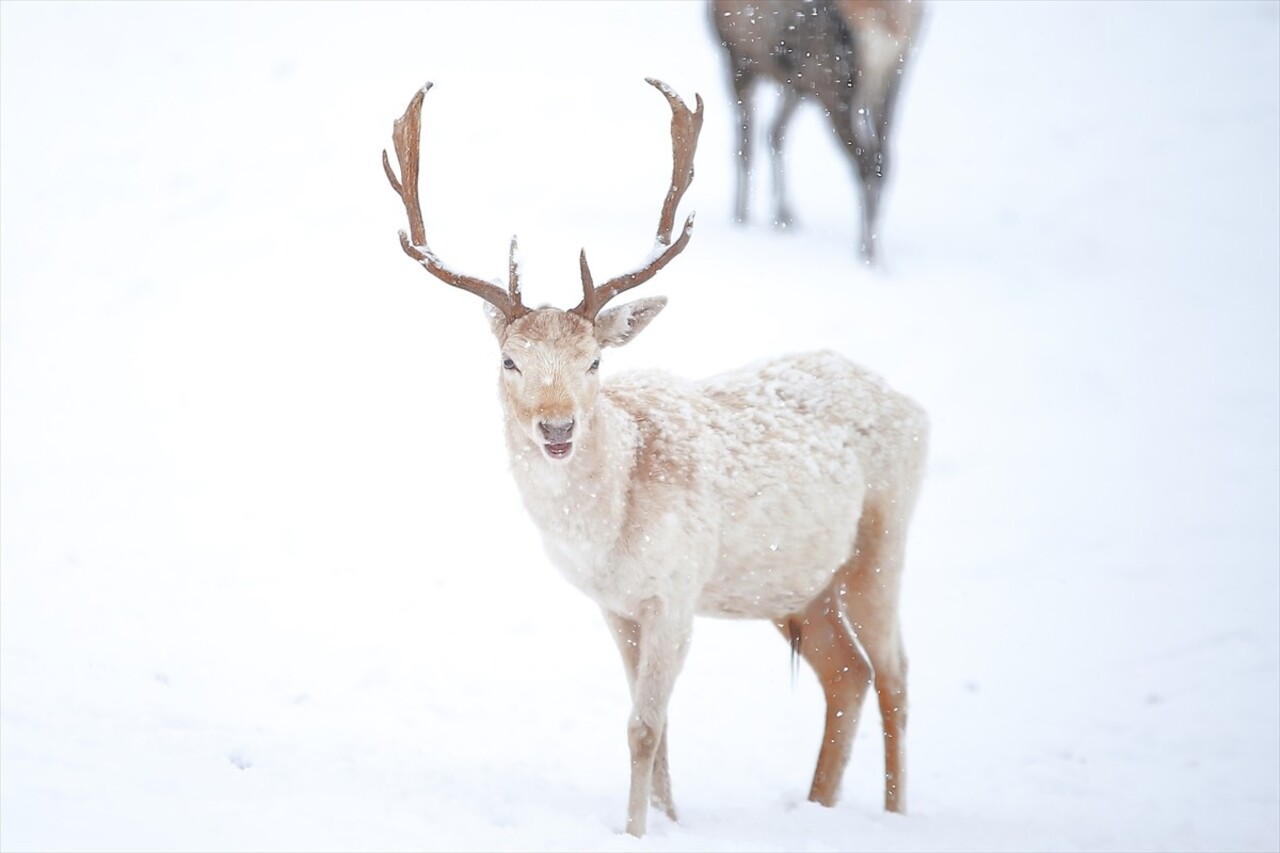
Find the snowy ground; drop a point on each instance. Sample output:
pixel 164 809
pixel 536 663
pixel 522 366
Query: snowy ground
pixel 266 581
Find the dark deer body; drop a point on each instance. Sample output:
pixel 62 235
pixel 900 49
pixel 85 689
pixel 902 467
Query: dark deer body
pixel 848 55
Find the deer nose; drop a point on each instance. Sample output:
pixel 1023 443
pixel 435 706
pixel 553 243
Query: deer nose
pixel 557 431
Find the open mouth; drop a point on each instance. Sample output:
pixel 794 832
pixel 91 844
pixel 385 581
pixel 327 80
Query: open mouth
pixel 558 451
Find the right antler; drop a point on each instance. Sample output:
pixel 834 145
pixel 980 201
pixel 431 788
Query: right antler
pixel 685 127
pixel 405 134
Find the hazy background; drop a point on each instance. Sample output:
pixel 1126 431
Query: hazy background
pixel 264 579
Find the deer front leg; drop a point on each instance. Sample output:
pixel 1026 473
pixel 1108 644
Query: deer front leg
pixel 742 81
pixel 662 642
pixel 626 633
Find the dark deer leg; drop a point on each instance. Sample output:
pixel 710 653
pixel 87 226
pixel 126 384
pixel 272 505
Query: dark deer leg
pixel 743 79
pixel 782 217
pixel 871 174
pixel 854 127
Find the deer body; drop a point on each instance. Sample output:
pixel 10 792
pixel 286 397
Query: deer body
pixel 738 496
pixel 848 55
pixel 780 491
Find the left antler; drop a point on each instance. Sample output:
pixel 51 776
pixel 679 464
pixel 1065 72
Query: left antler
pixel 406 132
pixel 685 126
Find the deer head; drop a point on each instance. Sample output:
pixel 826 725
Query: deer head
pixel 550 357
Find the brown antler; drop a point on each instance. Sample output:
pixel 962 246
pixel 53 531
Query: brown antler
pixel 405 134
pixel 685 126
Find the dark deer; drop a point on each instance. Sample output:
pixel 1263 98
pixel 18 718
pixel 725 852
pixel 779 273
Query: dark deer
pixel 848 55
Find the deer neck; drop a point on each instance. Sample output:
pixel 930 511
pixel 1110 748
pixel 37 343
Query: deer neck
pixel 580 503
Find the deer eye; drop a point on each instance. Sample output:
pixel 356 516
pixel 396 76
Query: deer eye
pixel 595 365
pixel 508 364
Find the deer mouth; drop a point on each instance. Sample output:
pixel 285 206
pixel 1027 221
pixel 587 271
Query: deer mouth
pixel 558 451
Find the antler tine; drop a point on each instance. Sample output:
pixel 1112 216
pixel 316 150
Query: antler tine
pixel 513 271
pixel 406 134
pixel 686 124
pixel 685 128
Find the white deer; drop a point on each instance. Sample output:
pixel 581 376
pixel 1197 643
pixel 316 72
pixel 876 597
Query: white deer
pixel 781 491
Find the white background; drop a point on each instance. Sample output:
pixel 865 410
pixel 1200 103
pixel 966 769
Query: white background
pixel 266 584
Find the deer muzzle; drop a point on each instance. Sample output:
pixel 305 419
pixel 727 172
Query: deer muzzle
pixel 557 437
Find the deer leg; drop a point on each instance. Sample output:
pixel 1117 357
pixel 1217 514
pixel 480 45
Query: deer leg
pixel 871 172
pixel 660 796
pixel 856 129
pixel 829 645
pixel 777 138
pixel 742 81
pixel 871 591
pixel 626 633
pixel 661 643
pixel 888 103
pixel 891 690
pixel 873 164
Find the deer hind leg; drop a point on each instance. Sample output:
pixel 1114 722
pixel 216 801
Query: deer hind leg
pixel 652 665
pixel 875 171
pixel 827 642
pixel 864 153
pixel 871 586
pixel 871 163
pixel 782 217
pixel 881 60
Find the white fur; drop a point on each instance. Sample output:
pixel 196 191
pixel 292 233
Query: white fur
pixel 779 492
pixel 738 496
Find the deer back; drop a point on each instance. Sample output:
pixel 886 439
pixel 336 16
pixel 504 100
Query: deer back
pixel 807 47
pixel 743 491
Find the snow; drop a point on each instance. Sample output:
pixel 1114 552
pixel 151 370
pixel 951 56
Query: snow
pixel 267 585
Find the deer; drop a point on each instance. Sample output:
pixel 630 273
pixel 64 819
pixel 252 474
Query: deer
pixel 779 492
pixel 849 56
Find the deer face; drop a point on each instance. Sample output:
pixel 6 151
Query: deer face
pixel 550 357
pixel 550 366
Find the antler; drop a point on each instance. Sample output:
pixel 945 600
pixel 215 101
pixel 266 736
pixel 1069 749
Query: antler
pixel 405 134
pixel 685 126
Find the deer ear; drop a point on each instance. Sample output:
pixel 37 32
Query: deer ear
pixel 617 326
pixel 497 320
